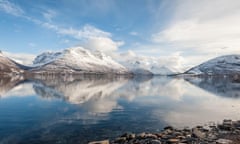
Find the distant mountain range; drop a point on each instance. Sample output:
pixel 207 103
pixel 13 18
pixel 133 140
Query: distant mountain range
pixel 78 60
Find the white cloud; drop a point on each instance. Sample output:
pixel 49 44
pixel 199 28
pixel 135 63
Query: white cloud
pixel 22 90
pixel 133 33
pixel 203 27
pixel 65 41
pixel 31 44
pixel 88 35
pixel 104 44
pixel 87 31
pixel 10 8
pixel 91 37
pixel 173 62
pixel 21 58
pixel 49 14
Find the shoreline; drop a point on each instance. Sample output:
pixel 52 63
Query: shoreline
pixel 228 132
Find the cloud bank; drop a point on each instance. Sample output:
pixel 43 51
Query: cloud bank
pixel 203 28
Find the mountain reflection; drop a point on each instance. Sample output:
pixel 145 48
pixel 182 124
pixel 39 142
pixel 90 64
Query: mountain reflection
pixel 93 94
pixel 222 86
pixel 58 107
pixel 8 83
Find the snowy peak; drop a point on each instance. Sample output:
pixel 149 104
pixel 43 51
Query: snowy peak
pixel 162 70
pixel 80 60
pixel 8 66
pixel 46 57
pixel 147 66
pixel 229 64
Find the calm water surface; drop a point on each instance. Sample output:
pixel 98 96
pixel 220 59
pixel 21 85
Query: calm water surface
pixel 77 110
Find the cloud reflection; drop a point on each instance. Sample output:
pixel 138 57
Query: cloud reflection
pixel 177 101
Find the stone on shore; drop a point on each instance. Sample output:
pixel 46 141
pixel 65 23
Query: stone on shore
pixel 226 133
pixel 100 142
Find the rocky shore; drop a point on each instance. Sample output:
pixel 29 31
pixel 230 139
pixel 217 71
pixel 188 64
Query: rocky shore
pixel 228 132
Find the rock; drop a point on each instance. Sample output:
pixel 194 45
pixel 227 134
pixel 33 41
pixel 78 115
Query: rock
pixel 227 122
pixel 129 136
pixel 173 141
pixel 168 131
pixel 151 136
pixel 226 125
pixel 141 135
pixel 155 142
pixel 223 141
pixel 197 133
pixel 120 139
pixel 100 142
pixel 168 127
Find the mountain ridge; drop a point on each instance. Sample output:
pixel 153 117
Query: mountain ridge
pixel 222 65
pixel 78 60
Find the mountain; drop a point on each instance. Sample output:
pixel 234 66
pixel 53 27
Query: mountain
pixel 162 70
pixel 9 67
pixel 223 65
pixel 77 60
pixel 146 66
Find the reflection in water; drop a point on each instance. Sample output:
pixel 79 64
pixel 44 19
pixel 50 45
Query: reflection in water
pixel 7 83
pixel 78 109
pixel 222 86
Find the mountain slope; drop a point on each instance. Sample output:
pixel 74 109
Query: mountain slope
pixel 227 65
pixel 146 66
pixel 8 66
pixel 77 60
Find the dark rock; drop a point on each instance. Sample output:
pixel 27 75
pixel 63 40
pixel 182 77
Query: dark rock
pixel 120 140
pixel 168 127
pixel 155 142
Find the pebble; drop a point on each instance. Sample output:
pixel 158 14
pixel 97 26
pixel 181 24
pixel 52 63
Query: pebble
pixel 223 141
pixel 100 142
pixel 197 135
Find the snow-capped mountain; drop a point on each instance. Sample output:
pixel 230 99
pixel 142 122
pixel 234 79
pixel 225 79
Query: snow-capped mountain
pixel 146 66
pixel 8 66
pixel 77 60
pixel 229 64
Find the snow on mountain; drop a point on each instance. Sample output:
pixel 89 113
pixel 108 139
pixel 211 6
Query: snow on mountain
pixel 45 58
pixel 8 66
pixel 162 70
pixel 145 65
pixel 77 59
pixel 229 64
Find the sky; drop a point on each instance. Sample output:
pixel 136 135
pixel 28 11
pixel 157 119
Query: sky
pixel 186 31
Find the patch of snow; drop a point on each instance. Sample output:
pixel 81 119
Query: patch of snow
pixel 228 64
pixel 78 58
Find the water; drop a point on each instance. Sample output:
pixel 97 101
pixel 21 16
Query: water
pixel 82 109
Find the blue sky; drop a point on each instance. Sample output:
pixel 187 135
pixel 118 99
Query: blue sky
pixel 130 22
pixel 189 31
